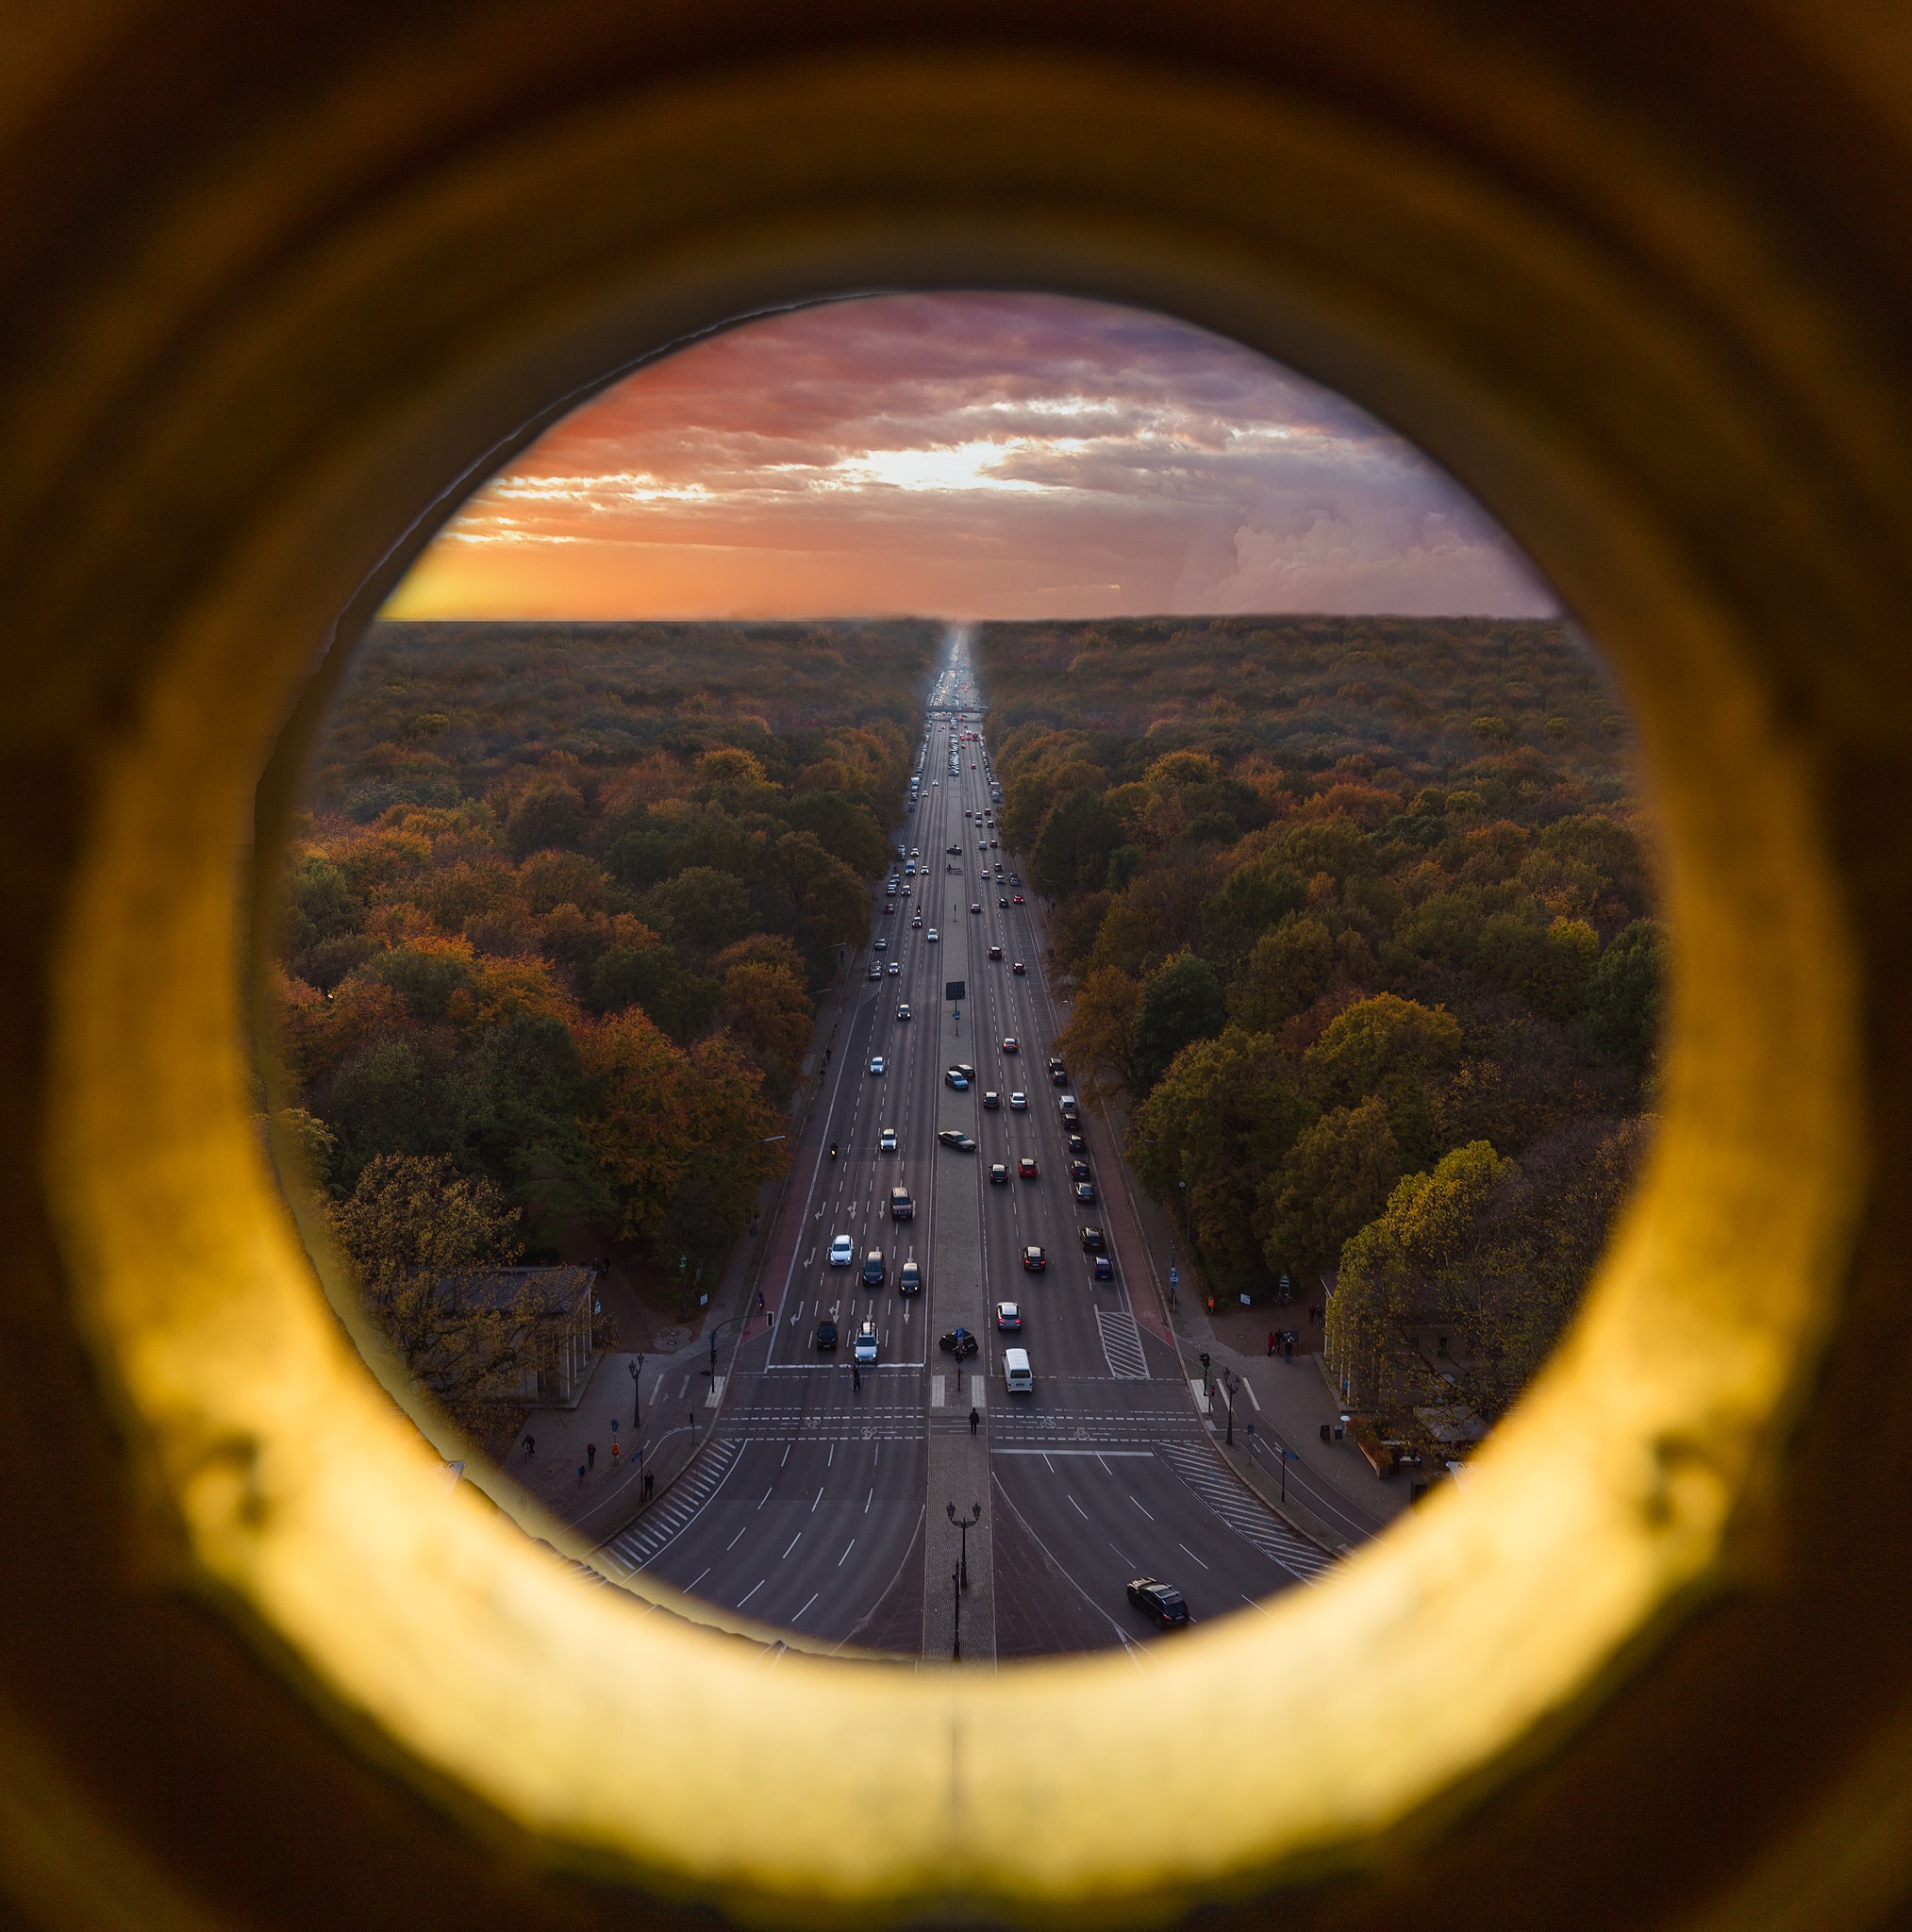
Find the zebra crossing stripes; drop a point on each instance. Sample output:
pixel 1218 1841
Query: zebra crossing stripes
pixel 1198 1468
pixel 1122 1345
pixel 630 1551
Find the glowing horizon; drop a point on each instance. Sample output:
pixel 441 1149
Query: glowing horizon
pixel 966 456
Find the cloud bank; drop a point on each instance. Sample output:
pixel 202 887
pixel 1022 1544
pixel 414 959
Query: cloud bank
pixel 969 456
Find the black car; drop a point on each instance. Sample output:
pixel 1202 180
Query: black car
pixel 1161 1601
pixel 955 1137
pixel 826 1336
pixel 1004 905
pixel 1019 967
pixel 1091 1241
pixel 1085 1192
pixel 1058 1076
pixel 995 952
pixel 1101 1269
pixel 1077 1144
pixel 999 1174
pixel 1078 1171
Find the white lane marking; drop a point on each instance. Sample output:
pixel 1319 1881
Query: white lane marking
pixel 1200 1390
pixel 1189 1554
pixel 786 1454
pixel 867 1501
pixel 716 1394
pixel 1253 1605
pixel 1252 1395
pixel 1046 1454
pixel 795 1542
pixel 737 1539
pixel 1140 1507
pixel 767 1495
pixel 697 1580
pixel 819 1498
pixel 977 1391
pixel 1078 1508
pixel 845 1557
pixel 751 1592
pixel 814 1596
pixel 935 1391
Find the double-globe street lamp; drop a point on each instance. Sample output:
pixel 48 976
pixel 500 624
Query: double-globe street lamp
pixel 965 1523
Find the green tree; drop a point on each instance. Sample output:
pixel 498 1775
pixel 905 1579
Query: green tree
pixel 1180 1002
pixel 546 817
pixel 1624 993
pixel 1290 968
pixel 703 907
pixel 1392 1048
pixel 1335 1179
pixel 1075 842
pixel 1220 1119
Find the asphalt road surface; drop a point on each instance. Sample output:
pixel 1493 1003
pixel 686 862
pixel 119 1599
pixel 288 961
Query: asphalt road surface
pixel 808 1508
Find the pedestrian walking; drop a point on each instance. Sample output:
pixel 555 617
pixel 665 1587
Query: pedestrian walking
pixel 531 1447
pixel 615 1457
pixel 650 1484
pixel 1270 1342
pixel 975 1420
pixel 580 1476
pixel 1288 1351
pixel 855 1376
pixel 591 1454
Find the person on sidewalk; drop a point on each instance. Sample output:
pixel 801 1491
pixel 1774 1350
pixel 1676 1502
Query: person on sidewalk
pixel 975 1420
pixel 531 1447
pixel 855 1376
pixel 580 1476
pixel 591 1454
pixel 1270 1342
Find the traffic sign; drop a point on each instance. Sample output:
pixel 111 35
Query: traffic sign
pixel 955 989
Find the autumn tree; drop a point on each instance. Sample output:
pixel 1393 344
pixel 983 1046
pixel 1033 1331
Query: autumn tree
pixel 1096 1041
pixel 1286 971
pixel 410 1223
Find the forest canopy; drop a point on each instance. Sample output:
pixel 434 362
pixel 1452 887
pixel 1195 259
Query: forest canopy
pixel 1359 919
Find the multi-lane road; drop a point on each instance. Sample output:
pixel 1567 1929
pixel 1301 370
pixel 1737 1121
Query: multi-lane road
pixel 811 1509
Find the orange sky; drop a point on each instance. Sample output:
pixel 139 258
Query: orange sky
pixel 968 456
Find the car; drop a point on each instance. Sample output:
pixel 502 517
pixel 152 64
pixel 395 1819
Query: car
pixel 1008 1316
pixel 1078 1171
pixel 1012 1044
pixel 1026 1167
pixel 911 1280
pixel 977 908
pixel 1015 878
pixel 958 1342
pixel 956 1077
pixel 1160 1601
pixel 994 843
pixel 900 853
pixel 992 1099
pixel 999 1174
pixel 874 1275
pixel 1003 904
pixel 930 936
pixel 915 851
pixel 1034 1259
pixel 883 945
pixel 888 906
pixel 886 1141
pixel 866 1343
pixel 1077 1144
pixel 968 1072
pixel 956 851
pixel 895 969
pixel 1085 1192
pixel 1019 969
pixel 1058 1076
pixel 915 925
pixel 1019 1102
pixel 1017 899
pixel 1101 1268
pixel 1092 1239
pixel 876 968
pixel 842 1252
pixel 903 1011
pixel 955 1137
pixel 826 1338
pixel 876 1063
pixel 995 952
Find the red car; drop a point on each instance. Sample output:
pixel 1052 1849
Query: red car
pixel 1026 1167
pixel 1019 899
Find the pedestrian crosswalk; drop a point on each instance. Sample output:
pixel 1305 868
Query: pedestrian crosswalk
pixel 1121 1344
pixel 1198 1468
pixel 631 1550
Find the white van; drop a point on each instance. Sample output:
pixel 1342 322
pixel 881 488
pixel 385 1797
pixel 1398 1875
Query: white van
pixel 1019 1379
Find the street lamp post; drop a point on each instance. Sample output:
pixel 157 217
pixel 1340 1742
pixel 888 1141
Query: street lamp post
pixel 965 1523
pixel 636 1368
pixel 1228 1386
pixel 955 1592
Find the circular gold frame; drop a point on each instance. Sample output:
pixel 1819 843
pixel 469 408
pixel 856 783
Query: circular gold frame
pixel 1648 453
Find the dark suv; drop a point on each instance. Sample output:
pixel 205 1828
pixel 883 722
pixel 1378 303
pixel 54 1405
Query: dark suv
pixel 826 1338
pixel 1161 1601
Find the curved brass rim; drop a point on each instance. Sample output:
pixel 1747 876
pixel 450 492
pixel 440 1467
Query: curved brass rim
pixel 1428 1663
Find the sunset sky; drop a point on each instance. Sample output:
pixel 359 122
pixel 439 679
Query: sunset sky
pixel 969 456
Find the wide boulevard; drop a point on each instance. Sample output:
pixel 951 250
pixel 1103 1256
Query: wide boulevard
pixel 820 1505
